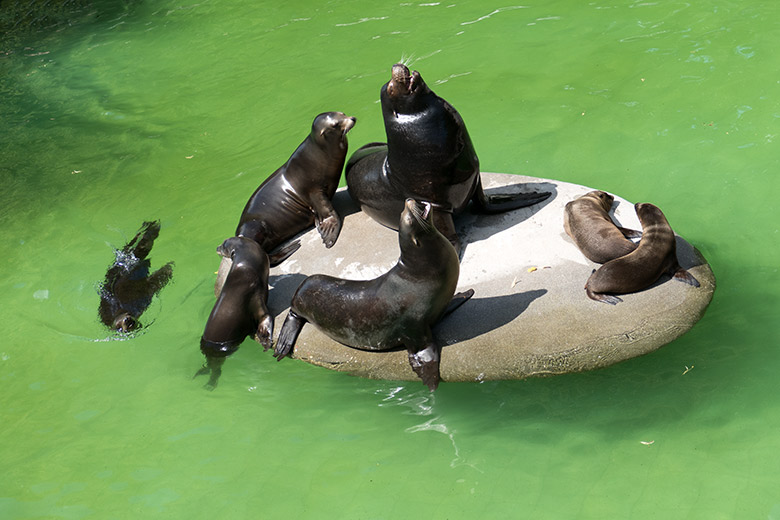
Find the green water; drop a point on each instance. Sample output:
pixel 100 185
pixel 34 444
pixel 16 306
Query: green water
pixel 177 112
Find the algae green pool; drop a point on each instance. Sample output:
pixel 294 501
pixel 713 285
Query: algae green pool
pixel 177 112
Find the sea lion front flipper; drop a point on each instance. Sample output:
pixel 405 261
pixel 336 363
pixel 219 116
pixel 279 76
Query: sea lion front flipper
pixel 684 276
pixel 291 328
pixel 602 297
pixel 265 332
pixel 283 252
pixel 458 300
pixel 425 363
pixel 502 203
pixel 158 279
pixel 630 233
pixel 265 323
pixel 326 219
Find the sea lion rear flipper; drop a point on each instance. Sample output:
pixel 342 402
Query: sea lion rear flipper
pixel 289 334
pixel 283 252
pixel 502 203
pixel 602 297
pixel 213 366
pixel 630 233
pixel 458 300
pixel 142 242
pixel 425 363
pixel 684 276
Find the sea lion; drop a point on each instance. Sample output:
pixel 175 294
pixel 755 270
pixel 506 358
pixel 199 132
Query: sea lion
pixel 655 255
pixel 128 288
pixel 428 156
pixel 396 309
pixel 587 221
pixel 241 307
pixel 299 193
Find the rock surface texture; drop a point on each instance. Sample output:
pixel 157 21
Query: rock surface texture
pixel 529 315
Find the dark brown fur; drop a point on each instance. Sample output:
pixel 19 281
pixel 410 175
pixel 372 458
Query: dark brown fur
pixel 656 255
pixel 587 221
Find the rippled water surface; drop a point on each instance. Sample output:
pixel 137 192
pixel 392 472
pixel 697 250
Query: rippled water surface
pixel 178 111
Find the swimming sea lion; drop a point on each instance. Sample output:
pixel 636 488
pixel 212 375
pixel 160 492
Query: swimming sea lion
pixel 655 255
pixel 299 193
pixel 128 288
pixel 396 309
pixel 587 221
pixel 241 307
pixel 428 156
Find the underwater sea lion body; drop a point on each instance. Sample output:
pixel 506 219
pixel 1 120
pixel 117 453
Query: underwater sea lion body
pixel 587 221
pixel 298 194
pixel 656 255
pixel 128 288
pixel 241 307
pixel 428 156
pixel 396 309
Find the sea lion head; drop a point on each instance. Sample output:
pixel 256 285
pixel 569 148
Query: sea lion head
pixel 649 214
pixel 332 128
pixel 405 89
pixel 602 198
pixel 245 255
pixel 416 224
pixel 124 322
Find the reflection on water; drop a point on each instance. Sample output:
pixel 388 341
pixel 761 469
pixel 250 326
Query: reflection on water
pixel 422 403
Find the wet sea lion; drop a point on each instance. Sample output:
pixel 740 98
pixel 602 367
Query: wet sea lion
pixel 656 255
pixel 128 288
pixel 298 194
pixel 428 156
pixel 241 307
pixel 394 310
pixel 587 221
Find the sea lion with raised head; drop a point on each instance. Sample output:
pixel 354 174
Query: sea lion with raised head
pixel 587 221
pixel 241 307
pixel 394 310
pixel 299 194
pixel 428 156
pixel 656 255
pixel 128 288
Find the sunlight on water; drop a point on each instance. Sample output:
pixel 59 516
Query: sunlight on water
pixel 141 111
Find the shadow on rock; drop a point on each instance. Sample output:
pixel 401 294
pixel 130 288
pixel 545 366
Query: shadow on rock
pixel 282 287
pixel 474 227
pixel 481 315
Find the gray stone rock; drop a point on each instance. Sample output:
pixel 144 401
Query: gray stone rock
pixel 529 315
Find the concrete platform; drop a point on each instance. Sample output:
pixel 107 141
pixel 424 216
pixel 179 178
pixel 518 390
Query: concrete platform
pixel 529 315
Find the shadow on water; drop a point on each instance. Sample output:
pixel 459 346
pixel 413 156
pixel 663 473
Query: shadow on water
pixel 36 19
